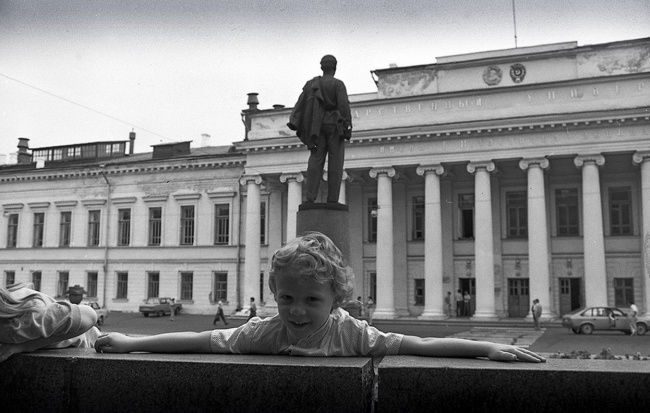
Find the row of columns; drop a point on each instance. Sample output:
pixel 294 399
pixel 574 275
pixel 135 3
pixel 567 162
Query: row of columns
pixel 538 237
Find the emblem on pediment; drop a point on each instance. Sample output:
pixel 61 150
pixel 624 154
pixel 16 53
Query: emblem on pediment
pixel 492 75
pixel 517 72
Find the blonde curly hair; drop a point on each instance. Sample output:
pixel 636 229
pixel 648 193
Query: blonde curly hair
pixel 314 255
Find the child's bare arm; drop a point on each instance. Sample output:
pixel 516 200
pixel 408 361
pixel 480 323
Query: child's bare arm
pixel 184 342
pixel 454 347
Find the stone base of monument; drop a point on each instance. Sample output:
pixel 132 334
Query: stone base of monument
pixel 331 219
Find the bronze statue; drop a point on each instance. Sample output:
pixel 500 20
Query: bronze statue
pixel 323 121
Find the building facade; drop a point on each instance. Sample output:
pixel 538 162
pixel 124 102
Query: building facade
pixel 512 175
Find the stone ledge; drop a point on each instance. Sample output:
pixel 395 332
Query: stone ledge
pixel 559 385
pixel 75 380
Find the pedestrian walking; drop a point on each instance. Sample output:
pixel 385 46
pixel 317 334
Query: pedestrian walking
pixel 219 315
pixel 633 317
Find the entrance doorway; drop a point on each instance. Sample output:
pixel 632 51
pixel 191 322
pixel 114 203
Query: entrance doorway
pixel 518 297
pixel 469 285
pixel 570 296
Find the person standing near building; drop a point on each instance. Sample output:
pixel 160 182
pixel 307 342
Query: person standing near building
pixel 467 303
pixel 323 121
pixel 459 304
pixel 537 313
pixel 448 304
pixel 370 306
pixel 633 317
pixel 252 310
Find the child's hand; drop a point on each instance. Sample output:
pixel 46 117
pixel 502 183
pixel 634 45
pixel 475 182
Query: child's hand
pixel 112 343
pixel 8 350
pixel 502 352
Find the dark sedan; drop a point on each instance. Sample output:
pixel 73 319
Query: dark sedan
pixel 586 320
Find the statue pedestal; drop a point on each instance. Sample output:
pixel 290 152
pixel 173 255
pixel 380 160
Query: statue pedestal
pixel 331 219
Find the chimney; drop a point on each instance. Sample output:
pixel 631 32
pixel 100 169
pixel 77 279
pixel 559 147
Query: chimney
pixel 278 107
pixel 132 139
pixel 23 157
pixel 252 101
pixel 245 114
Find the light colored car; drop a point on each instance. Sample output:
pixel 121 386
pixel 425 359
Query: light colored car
pixel 160 306
pixel 587 319
pixel 102 313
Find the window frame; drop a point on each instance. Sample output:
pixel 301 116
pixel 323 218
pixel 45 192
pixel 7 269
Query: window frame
pixel 521 228
pixel 121 285
pixel 94 227
pixel 632 210
pixel 151 228
pixel 65 229
pixel 185 222
pixel 555 216
pixel 38 229
pixel 222 223
pixel 13 221
pixel 219 286
pixel 186 285
pixel 124 227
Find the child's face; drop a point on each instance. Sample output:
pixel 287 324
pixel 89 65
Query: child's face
pixel 304 304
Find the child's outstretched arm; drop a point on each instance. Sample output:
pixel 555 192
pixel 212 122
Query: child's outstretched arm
pixel 88 320
pixel 455 347
pixel 184 342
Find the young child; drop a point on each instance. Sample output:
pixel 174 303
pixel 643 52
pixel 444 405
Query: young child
pixel 310 282
pixel 31 320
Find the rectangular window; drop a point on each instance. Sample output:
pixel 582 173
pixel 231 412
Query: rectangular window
pixel 419 291
pixel 155 226
pixel 62 285
pixel 93 228
pixel 517 214
pixel 372 219
pixel 153 284
pixel 373 286
pixel 261 287
pixel 91 283
pixel 418 218
pixel 222 224
pixel 65 229
pixel 466 215
pixel 10 277
pixel 187 284
pixel 263 223
pixel 566 210
pixel 123 227
pixel 623 291
pixel 39 229
pixel 187 225
pixel 122 285
pixel 36 280
pixel 12 231
pixel 220 287
pixel 620 211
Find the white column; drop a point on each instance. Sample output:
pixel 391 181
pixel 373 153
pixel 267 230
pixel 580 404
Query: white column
pixel 643 159
pixel 433 293
pixel 385 302
pixel 342 194
pixel 593 239
pixel 483 244
pixel 294 199
pixel 251 282
pixel 538 258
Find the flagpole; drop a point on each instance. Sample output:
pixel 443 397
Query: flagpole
pixel 514 19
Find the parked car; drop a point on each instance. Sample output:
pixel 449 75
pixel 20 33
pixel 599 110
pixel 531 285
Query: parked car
pixel 102 313
pixel 587 319
pixel 160 306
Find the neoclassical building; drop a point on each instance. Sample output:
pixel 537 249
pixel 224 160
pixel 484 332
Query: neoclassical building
pixel 511 174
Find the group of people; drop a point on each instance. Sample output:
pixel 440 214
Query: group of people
pixel 463 304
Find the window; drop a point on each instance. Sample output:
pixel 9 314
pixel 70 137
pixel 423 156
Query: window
pixel 517 214
pixel 65 229
pixel 466 215
pixel 91 283
pixel 93 228
pixel 221 224
pixel 187 225
pixel 124 227
pixel 372 286
pixel 36 280
pixel 262 286
pixel 620 211
pixel 187 282
pixel 153 284
pixel 418 218
pixel 220 287
pixel 10 277
pixel 62 285
pixel 39 227
pixel 623 291
pixel 12 231
pixel 419 291
pixel 122 285
pixel 263 222
pixel 372 219
pixel 566 210
pixel 155 226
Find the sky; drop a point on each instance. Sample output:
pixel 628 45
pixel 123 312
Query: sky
pixel 76 71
